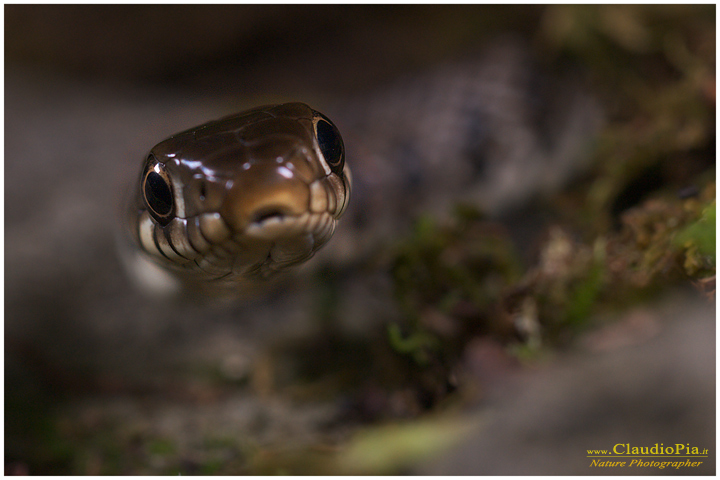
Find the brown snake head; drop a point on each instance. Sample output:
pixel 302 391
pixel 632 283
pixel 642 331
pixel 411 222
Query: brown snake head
pixel 241 198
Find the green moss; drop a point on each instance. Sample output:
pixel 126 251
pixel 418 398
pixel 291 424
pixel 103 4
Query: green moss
pixel 211 467
pixel 416 344
pixel 388 449
pixel 448 278
pixel 161 446
pixel 587 291
pixel 466 260
pixel 698 238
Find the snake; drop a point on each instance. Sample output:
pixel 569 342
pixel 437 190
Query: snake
pixel 239 200
pixel 230 204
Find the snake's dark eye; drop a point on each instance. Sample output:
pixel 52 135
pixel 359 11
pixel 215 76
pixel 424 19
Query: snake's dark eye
pixel 330 143
pixel 157 191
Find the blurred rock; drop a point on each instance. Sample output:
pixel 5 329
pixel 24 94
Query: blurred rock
pixel 662 391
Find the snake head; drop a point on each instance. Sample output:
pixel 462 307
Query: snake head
pixel 243 197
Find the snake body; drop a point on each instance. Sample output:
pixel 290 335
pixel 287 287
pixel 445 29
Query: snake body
pixel 242 198
pixel 245 197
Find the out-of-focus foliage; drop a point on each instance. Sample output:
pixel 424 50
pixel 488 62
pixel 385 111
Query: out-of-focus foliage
pixel 388 448
pixel 640 222
pixel 698 240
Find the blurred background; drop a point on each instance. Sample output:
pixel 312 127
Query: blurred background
pixel 507 344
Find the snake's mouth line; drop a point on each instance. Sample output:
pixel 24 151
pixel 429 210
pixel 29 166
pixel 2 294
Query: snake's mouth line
pixel 268 246
pixel 206 243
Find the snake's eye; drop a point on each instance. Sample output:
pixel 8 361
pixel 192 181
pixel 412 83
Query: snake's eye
pixel 157 191
pixel 330 143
